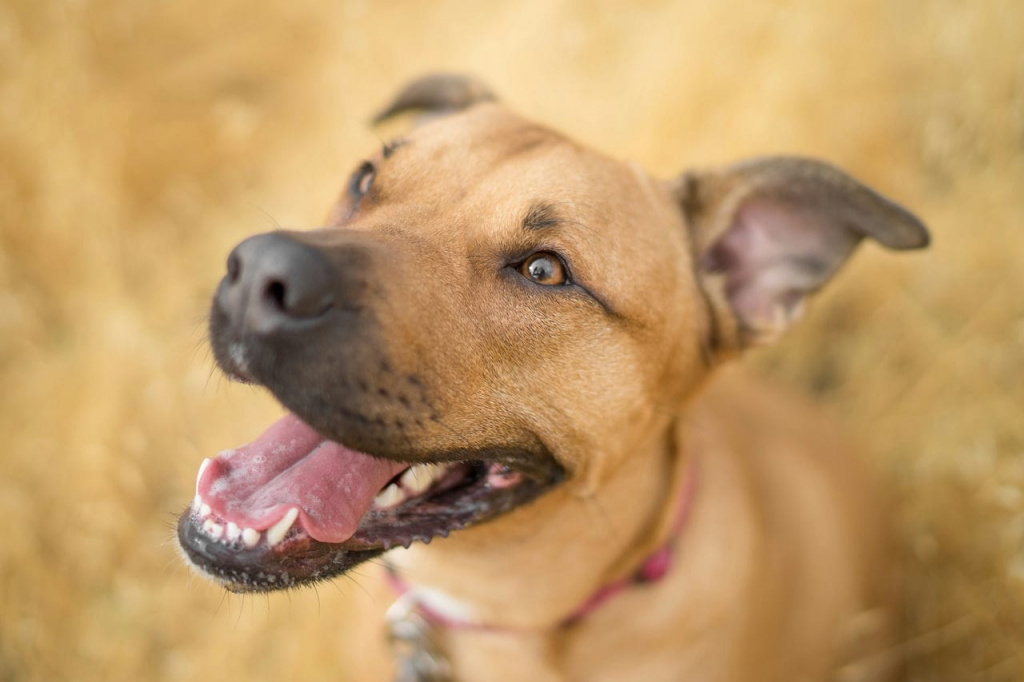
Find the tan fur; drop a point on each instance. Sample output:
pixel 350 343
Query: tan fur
pixel 781 560
pixel 780 573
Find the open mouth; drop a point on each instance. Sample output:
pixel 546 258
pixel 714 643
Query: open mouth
pixel 293 507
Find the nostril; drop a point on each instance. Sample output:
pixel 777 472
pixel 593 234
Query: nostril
pixel 276 294
pixel 234 267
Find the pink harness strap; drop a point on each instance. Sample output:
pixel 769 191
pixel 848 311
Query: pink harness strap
pixel 653 569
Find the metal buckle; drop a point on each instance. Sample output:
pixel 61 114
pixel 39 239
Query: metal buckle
pixel 415 644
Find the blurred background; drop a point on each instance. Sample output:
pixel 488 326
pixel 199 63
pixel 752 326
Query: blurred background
pixel 140 140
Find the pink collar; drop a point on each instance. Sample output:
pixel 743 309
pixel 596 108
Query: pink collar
pixel 653 569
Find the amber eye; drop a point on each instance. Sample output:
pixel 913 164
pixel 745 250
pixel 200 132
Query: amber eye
pixel 544 268
pixel 362 180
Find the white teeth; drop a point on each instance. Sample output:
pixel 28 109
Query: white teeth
pixel 233 531
pixel 250 536
pixel 214 530
pixel 420 477
pixel 281 528
pixel 204 510
pixel 389 497
pixel 202 468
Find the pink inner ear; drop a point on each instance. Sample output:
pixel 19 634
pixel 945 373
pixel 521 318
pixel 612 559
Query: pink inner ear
pixel 773 255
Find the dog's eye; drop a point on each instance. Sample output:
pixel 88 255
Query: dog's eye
pixel 544 267
pixel 362 180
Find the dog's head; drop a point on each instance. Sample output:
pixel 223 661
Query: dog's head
pixel 492 311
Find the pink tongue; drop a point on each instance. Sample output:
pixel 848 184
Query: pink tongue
pixel 291 465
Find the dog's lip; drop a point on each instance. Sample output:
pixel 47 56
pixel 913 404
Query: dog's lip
pixel 263 569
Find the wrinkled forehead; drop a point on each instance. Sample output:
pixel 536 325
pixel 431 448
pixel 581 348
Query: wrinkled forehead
pixel 465 160
pixel 486 182
pixel 505 171
pixel 469 147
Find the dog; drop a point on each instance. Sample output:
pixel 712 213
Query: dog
pixel 506 337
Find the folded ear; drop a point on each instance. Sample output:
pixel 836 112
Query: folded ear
pixel 770 231
pixel 436 94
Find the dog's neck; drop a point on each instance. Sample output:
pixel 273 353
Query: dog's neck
pixel 558 566
pixel 439 610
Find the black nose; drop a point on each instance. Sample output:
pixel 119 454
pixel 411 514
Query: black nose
pixel 274 282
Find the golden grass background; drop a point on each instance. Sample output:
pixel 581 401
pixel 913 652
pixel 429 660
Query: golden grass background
pixel 140 140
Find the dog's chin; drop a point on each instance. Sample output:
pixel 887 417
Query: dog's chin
pixel 295 507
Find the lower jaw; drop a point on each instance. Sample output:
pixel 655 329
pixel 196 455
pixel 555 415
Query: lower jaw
pixel 263 569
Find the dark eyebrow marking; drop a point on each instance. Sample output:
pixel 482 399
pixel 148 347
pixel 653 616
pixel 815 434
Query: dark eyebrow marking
pixel 541 217
pixel 391 147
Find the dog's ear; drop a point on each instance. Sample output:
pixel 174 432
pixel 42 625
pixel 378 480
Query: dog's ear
pixel 770 231
pixel 437 94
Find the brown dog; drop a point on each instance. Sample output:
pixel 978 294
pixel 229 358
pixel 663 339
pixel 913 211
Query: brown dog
pixel 515 329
